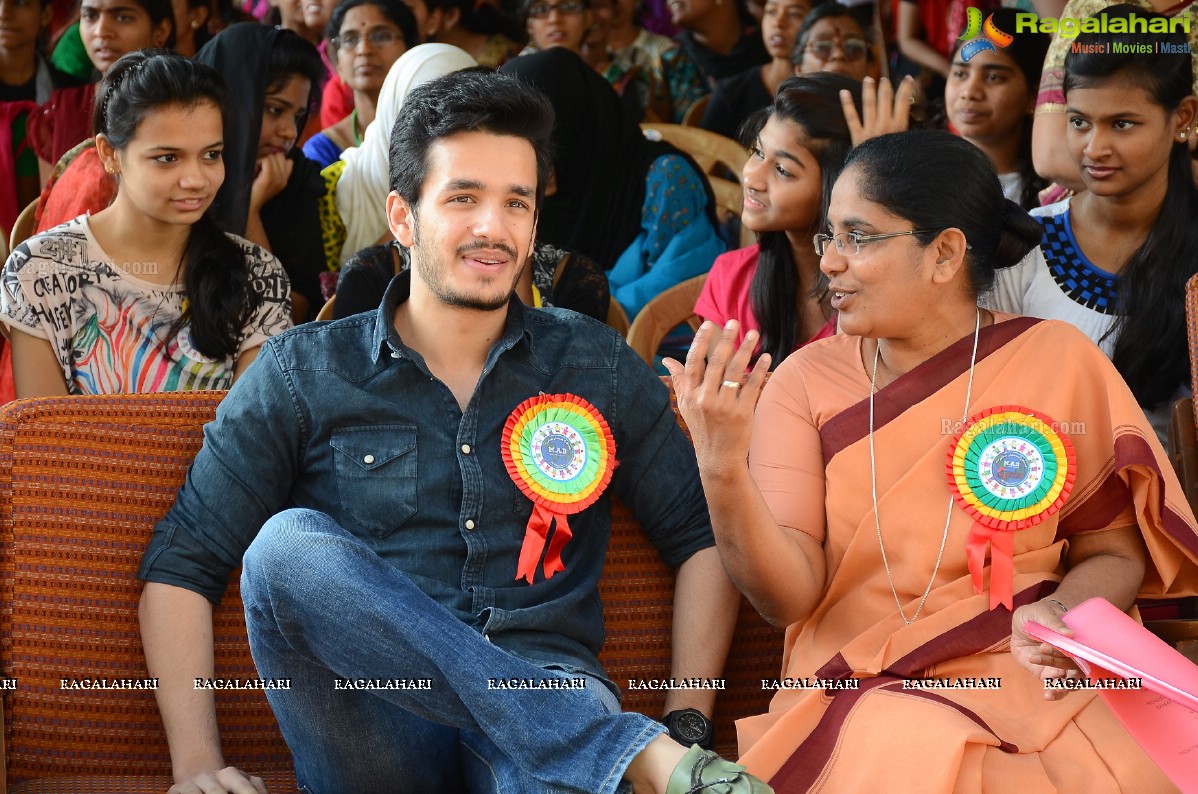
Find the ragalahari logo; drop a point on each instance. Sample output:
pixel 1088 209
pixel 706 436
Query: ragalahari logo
pixel 991 38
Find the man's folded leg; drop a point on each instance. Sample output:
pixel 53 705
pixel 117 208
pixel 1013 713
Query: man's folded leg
pixel 323 608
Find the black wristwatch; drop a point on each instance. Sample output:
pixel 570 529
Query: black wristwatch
pixel 689 726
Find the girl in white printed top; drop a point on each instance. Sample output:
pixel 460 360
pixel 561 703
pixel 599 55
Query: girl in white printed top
pixel 148 294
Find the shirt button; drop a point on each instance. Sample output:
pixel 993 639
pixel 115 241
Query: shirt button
pixel 368 459
pixel 465 449
pixel 394 354
pixel 469 523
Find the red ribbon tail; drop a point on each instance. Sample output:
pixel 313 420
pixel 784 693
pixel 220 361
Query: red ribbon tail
pixel 975 552
pixel 561 536
pixel 1002 569
pixel 535 535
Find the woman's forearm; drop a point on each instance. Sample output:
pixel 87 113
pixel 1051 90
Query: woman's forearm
pixel 1108 565
pixel 779 569
pixel 1050 153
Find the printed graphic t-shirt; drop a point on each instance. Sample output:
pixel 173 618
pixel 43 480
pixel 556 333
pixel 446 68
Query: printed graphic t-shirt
pixel 109 328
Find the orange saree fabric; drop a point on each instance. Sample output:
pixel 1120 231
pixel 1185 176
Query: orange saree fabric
pixel 810 457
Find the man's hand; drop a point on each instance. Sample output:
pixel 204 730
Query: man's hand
pixel 229 780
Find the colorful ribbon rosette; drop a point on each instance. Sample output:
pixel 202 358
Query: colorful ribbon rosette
pixel 1010 468
pixel 560 453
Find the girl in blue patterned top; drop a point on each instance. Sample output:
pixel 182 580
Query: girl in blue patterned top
pixel 1116 257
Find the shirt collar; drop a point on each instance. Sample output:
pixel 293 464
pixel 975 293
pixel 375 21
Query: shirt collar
pixel 387 341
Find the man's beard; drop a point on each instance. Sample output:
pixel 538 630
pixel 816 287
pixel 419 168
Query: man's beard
pixel 433 275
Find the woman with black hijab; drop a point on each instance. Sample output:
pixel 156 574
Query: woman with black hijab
pixel 271 190
pixel 641 209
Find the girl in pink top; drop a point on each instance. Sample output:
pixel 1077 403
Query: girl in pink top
pixel 775 287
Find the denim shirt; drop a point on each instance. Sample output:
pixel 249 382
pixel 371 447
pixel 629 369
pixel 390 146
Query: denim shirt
pixel 343 418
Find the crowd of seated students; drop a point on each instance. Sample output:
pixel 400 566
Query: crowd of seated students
pixel 666 82
pixel 736 98
pixel 643 210
pixel 637 210
pixel 720 36
pixel 228 257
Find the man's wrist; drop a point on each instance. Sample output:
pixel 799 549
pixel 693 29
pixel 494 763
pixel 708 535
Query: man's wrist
pixel 690 726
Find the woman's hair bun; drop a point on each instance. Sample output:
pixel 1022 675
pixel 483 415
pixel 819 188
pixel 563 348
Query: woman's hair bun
pixel 1020 234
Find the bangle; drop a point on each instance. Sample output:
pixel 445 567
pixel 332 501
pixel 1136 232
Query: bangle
pixel 1064 608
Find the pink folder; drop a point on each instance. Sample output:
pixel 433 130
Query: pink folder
pixel 1162 716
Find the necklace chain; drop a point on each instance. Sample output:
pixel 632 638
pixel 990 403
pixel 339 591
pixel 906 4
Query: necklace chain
pixel 873 476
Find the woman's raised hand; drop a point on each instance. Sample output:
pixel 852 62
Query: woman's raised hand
pixel 883 109
pixel 715 397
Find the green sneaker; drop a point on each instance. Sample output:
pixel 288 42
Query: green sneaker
pixel 703 771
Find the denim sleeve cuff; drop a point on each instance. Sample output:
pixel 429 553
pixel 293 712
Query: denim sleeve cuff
pixel 693 543
pixel 176 558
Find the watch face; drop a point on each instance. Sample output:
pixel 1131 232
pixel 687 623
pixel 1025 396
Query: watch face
pixel 691 726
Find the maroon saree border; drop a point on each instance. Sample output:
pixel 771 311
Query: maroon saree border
pixel 806 765
pixel 1099 509
pixel 852 424
pixel 1133 450
pixel 809 760
pixel 1110 498
pixel 972 637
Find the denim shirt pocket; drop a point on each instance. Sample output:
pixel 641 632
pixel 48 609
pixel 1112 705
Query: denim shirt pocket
pixel 376 475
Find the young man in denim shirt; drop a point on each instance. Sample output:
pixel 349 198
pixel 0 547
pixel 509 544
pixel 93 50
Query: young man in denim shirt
pixel 406 546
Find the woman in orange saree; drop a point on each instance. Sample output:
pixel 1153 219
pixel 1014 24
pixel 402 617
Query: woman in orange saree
pixel 839 511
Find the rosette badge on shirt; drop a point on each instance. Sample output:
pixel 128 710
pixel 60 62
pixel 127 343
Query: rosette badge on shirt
pixel 1010 468
pixel 560 452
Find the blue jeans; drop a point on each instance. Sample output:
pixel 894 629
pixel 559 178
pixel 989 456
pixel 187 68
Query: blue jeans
pixel 321 607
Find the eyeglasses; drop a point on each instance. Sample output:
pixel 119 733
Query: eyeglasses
pixel 379 37
pixel 856 240
pixel 542 10
pixel 853 49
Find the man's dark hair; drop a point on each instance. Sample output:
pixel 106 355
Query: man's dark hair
pixel 473 100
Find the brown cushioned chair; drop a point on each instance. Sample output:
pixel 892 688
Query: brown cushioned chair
pixel 82 482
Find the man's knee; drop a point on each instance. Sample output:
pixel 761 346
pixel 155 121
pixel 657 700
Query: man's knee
pixel 290 543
